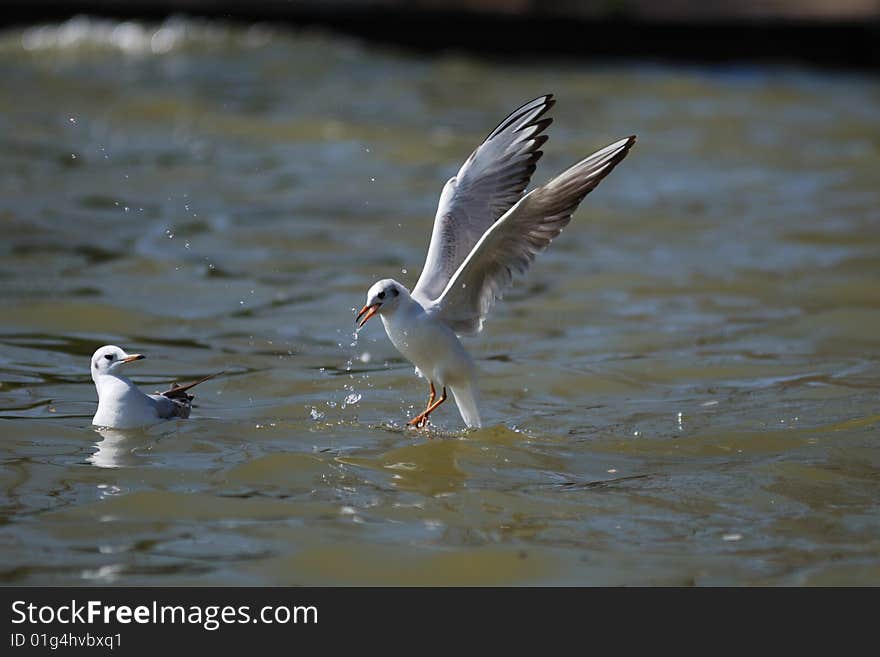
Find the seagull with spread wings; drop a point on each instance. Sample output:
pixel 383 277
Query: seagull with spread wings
pixel 486 230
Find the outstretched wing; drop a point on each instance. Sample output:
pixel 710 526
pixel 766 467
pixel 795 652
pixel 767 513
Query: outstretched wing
pixel 490 181
pixel 512 242
pixel 176 401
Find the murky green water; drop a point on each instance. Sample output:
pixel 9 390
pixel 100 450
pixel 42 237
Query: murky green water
pixel 685 390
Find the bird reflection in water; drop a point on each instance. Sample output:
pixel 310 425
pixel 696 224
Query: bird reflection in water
pixel 121 448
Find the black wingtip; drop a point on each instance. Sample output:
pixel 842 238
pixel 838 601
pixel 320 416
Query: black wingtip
pixel 541 103
pixel 621 154
pixel 630 142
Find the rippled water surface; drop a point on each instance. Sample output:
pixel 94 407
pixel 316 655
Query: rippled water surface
pixel 685 390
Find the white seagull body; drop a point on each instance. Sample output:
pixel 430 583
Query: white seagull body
pixel 121 405
pixel 486 229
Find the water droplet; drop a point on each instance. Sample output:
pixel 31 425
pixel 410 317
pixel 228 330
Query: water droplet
pixel 403 271
pixel 315 414
pixel 186 244
pixel 353 398
pixel 72 119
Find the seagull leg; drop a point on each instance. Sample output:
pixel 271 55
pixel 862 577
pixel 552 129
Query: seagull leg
pixel 431 409
pixel 418 419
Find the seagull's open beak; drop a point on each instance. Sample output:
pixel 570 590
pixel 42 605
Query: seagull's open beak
pixel 133 357
pixel 367 312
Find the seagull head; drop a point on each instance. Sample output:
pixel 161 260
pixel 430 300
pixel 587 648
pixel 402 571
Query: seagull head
pixel 383 298
pixel 110 359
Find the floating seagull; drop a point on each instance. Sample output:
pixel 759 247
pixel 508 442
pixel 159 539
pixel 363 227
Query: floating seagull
pixel 485 230
pixel 122 406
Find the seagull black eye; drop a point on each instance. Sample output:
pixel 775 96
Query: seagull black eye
pixel 381 294
pixel 109 356
pixel 394 291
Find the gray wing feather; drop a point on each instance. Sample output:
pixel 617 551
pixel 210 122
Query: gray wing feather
pixel 170 408
pixel 513 241
pixel 176 402
pixel 490 181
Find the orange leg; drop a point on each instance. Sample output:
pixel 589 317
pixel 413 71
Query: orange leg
pixel 422 419
pixel 416 421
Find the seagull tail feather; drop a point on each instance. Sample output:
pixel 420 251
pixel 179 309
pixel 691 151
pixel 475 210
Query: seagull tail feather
pixel 466 399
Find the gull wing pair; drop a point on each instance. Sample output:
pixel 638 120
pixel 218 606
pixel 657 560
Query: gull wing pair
pixel 485 230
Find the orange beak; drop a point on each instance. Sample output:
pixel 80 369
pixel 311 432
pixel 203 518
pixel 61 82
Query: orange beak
pixel 367 312
pixel 133 357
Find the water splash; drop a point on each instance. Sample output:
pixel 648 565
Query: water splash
pixel 134 38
